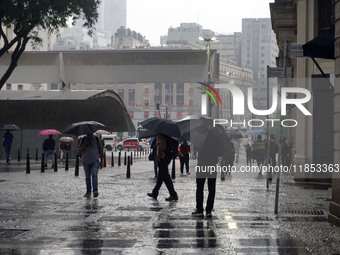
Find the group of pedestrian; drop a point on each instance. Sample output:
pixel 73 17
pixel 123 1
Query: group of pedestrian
pixel 165 149
pixel 257 150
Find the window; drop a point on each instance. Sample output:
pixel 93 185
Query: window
pixel 20 87
pixel 191 102
pixel 146 102
pixel 180 94
pixel 121 93
pixel 146 92
pixel 146 115
pixel 131 97
pixel 158 93
pixel 191 90
pixel 131 114
pixel 8 86
pixel 169 93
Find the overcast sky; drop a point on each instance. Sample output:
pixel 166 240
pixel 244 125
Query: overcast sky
pixel 152 18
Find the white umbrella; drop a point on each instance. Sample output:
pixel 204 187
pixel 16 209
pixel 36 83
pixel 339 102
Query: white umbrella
pixel 102 132
pixel 66 139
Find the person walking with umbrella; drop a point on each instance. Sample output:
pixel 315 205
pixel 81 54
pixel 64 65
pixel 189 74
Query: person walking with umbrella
pixel 166 148
pixel 7 141
pixel 92 156
pixel 49 148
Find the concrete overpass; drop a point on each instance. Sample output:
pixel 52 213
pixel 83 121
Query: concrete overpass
pixel 112 66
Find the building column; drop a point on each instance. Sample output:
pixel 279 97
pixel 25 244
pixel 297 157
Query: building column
pixel 334 208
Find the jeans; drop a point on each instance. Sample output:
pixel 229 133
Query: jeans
pixel 8 153
pixel 91 171
pixel 47 153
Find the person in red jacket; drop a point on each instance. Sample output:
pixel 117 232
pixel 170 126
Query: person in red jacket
pixel 184 150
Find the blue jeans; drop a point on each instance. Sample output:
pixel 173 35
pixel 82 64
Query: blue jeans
pixel 91 170
pixel 47 153
pixel 8 153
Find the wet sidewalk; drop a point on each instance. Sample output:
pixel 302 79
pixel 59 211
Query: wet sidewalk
pixel 46 213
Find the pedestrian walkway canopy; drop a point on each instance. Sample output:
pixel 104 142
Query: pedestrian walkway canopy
pixel 57 109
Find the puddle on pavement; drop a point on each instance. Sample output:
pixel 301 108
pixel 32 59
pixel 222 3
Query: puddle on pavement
pixel 99 243
pixel 304 219
pixel 270 245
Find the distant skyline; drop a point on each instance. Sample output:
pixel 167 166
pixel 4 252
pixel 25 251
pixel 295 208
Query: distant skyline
pixel 152 18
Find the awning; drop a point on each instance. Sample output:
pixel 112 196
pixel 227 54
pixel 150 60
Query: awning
pixel 321 46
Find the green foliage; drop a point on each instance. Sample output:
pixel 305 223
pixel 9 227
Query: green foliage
pixel 27 17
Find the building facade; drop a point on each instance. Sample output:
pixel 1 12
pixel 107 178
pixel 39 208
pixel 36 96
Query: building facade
pixel 259 50
pixel 303 21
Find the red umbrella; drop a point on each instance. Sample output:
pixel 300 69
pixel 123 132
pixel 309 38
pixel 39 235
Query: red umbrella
pixel 49 132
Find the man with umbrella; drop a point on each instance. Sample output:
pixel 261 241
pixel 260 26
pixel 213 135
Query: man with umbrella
pixel 49 148
pixel 7 141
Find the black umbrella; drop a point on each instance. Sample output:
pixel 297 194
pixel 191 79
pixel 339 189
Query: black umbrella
pixel 145 133
pixel 83 128
pixel 194 128
pixel 161 126
pixel 234 134
pixel 10 127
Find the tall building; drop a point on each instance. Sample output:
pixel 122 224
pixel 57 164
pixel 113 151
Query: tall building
pixel 187 32
pixel 259 50
pixel 229 47
pixel 112 15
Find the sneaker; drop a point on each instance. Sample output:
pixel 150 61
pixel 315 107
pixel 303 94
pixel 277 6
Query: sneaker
pixel 171 198
pixel 152 195
pixel 87 194
pixel 188 173
pixel 208 214
pixel 95 194
pixel 197 213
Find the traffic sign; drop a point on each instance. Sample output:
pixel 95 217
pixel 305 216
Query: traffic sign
pixel 295 50
pixel 278 72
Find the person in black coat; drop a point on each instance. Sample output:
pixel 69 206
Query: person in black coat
pixel 166 149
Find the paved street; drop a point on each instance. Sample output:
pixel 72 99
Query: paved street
pixel 46 213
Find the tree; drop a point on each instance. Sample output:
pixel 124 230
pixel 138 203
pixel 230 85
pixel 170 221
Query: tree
pixel 27 17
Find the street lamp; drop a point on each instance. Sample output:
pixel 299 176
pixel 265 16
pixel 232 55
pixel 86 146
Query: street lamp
pixel 205 101
pixel 208 40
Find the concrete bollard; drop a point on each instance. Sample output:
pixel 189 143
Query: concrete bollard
pixel 128 172
pixel 66 161
pixel 112 160
pixel 76 171
pixel 173 172
pixel 42 169
pixel 55 162
pixel 28 167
